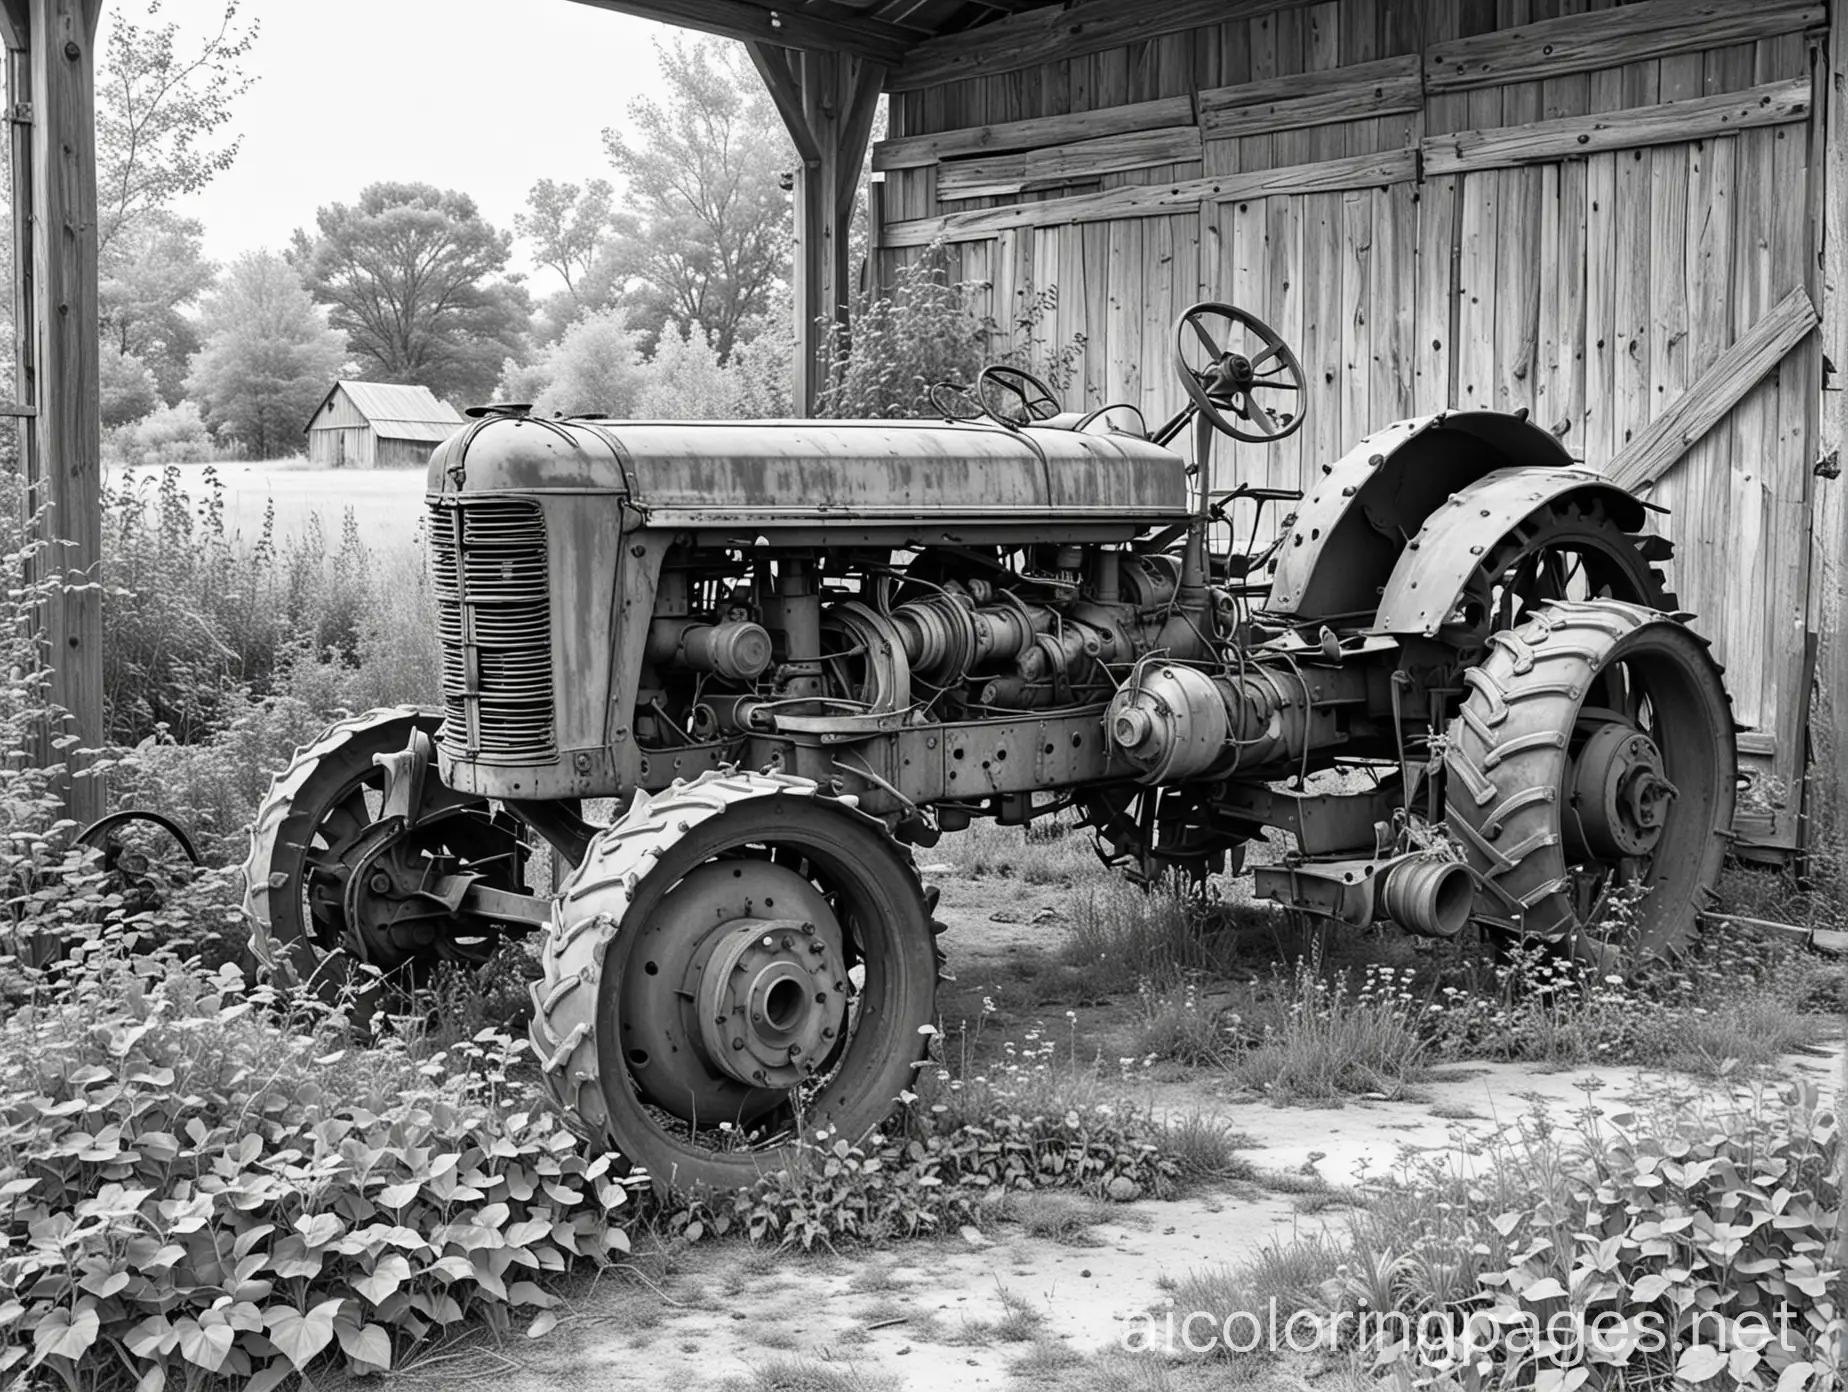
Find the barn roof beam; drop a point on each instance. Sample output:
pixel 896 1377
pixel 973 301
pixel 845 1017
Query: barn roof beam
pixel 1054 32
pixel 804 29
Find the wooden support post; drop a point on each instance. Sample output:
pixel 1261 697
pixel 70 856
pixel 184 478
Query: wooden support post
pixel 1829 517
pixel 51 76
pixel 828 101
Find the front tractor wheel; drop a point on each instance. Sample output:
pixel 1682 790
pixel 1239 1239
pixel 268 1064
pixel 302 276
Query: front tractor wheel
pixel 330 882
pixel 1590 779
pixel 737 961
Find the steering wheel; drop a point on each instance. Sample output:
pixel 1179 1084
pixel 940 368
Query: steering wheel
pixel 1037 403
pixel 953 401
pixel 1255 360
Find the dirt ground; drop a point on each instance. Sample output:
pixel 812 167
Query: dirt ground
pixel 970 1312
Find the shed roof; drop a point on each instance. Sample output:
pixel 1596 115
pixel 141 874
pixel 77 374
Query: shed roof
pixel 901 34
pixel 395 411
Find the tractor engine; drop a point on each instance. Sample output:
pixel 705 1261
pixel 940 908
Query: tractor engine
pixel 728 673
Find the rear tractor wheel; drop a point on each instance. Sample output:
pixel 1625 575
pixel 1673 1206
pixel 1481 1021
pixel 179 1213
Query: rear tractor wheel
pixel 737 960
pixel 1590 779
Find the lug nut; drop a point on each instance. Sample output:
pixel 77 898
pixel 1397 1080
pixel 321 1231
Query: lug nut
pixel 737 1044
pixel 827 1032
pixel 380 882
pixel 795 1050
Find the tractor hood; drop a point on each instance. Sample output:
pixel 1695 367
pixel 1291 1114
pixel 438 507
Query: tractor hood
pixel 701 473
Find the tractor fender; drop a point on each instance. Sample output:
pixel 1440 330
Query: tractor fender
pixel 1348 534
pixel 1428 582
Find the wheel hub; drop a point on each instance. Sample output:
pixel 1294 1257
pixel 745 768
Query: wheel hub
pixel 772 999
pixel 736 992
pixel 1620 793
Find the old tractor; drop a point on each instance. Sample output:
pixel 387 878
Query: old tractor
pixel 791 651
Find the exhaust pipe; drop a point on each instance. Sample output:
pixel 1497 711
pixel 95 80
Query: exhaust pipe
pixel 1428 896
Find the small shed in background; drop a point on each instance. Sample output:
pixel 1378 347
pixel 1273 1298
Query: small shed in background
pixel 380 425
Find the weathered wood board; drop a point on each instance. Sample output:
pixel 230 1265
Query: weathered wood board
pixel 1609 215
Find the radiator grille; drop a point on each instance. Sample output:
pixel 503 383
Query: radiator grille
pixel 493 616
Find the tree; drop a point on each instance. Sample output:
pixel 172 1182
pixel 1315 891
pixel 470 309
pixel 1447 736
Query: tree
pixel 160 109
pixel 162 104
pixel 594 367
pixel 155 272
pixel 268 358
pixel 711 230
pixel 568 226
pixel 408 272
pixel 127 388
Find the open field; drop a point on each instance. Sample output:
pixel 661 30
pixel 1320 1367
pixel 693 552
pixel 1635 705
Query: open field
pixel 387 504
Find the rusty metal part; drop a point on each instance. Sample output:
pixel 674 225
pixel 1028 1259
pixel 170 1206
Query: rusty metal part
pixel 1443 577
pixel 1170 722
pixel 1343 541
pixel 1322 824
pixel 738 475
pixel 1174 723
pixel 737 649
pixel 1620 799
pixel 1429 895
pixel 871 650
pixel 1424 892
pixel 98 833
pixel 1252 385
pixel 1035 399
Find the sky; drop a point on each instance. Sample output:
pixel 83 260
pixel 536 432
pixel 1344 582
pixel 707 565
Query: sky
pixel 485 96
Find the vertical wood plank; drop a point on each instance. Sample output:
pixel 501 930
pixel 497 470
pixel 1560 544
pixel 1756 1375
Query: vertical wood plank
pixel 1283 311
pixel 1437 225
pixel 1097 321
pixel 1129 286
pixel 1255 151
pixel 1321 341
pixel 1700 530
pixel 1829 525
pixel 1249 235
pixel 1549 340
pixel 1476 291
pixel 1395 299
pixel 1357 272
pixel 1742 633
pixel 1799 384
pixel 1630 298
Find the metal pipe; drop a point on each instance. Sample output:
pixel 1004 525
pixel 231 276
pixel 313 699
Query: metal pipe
pixel 1428 895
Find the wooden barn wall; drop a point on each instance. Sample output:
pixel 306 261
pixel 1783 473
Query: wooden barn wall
pixel 1588 268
